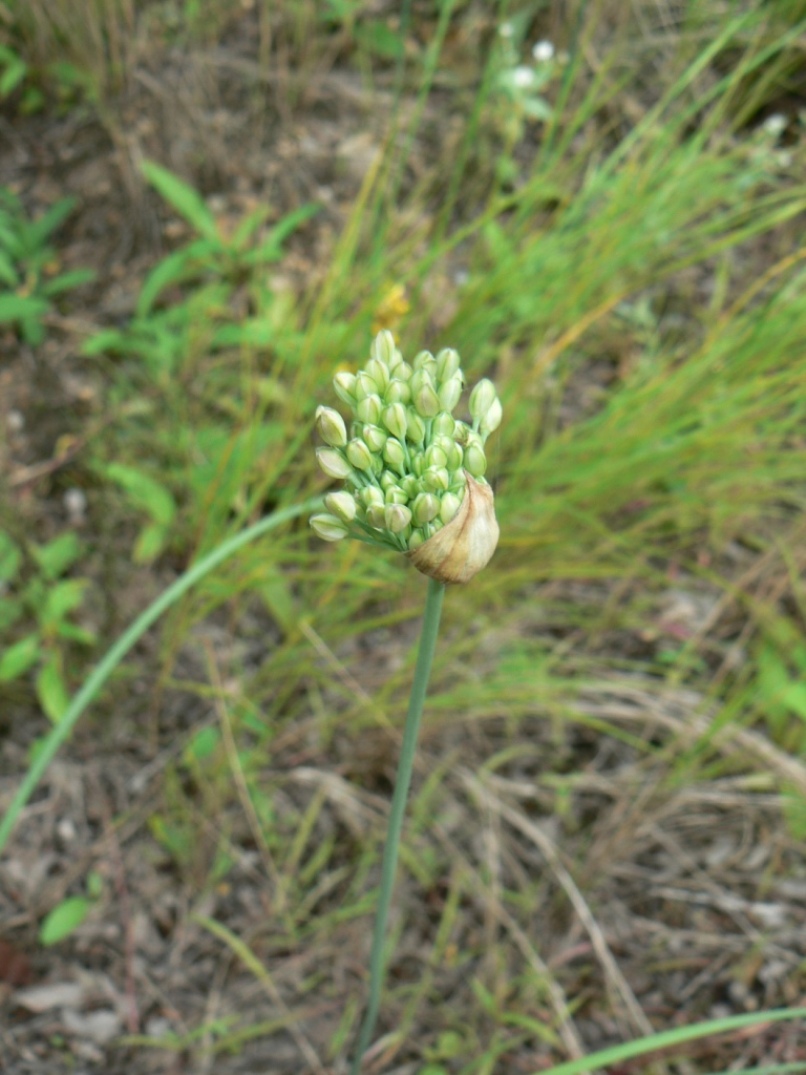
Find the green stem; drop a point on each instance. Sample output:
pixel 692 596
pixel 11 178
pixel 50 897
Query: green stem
pixel 54 739
pixel 425 656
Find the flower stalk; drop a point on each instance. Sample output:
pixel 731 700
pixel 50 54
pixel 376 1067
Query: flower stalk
pixel 422 672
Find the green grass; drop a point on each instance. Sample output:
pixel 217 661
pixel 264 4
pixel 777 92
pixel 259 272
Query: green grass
pixel 631 279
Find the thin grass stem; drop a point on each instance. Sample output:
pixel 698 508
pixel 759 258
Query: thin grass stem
pixel 425 656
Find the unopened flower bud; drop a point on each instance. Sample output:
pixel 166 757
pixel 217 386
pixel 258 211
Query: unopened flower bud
pixel 344 387
pixel 370 495
pixel 359 454
pixel 376 516
pixel 426 401
pixel 481 399
pixel 365 385
pixel 379 372
pixel 383 347
pixel 449 506
pixel 394 454
pixel 444 424
pixel 436 479
pixel 374 437
pixel 435 457
pixel 395 495
pixel 416 540
pixel 424 360
pixel 396 517
pixel 426 507
pixel 462 433
pixel 475 461
pixel 397 392
pixel 331 427
pixel 342 505
pixel 403 371
pixel 395 419
pixel 447 363
pixel 415 431
pixel 328 527
pixel 333 463
pixel 388 480
pixel 450 392
pixel 369 409
pixel 492 419
pixel 462 547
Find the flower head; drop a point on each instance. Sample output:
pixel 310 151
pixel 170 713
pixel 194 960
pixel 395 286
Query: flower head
pixel 414 473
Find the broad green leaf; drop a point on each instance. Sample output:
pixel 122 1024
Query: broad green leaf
pixel 67 280
pixel 61 599
pixel 172 270
pixel 58 555
pixel 8 274
pixel 51 689
pixel 150 543
pixel 44 226
pixel 144 491
pixel 17 659
pixel 64 919
pixel 182 197
pixel 10 612
pixel 73 633
pixel 19 307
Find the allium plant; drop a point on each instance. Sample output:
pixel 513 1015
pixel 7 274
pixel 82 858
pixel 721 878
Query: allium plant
pixel 414 482
pixel 412 470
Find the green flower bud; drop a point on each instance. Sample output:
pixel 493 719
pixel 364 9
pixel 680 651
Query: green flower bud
pixel 379 372
pixel 425 508
pixel 394 417
pixel 416 540
pixel 481 399
pixel 397 392
pixel 435 457
pixel 342 505
pixel 458 482
pixel 394 454
pixel 436 479
pixel 409 485
pixel 396 517
pixel 451 451
pixel 359 454
pixel 423 360
pixel 376 516
pixel 462 433
pixel 331 427
pixel 374 437
pixel 448 507
pixel 365 385
pixel 415 432
pixel 370 495
pixel 450 392
pixel 447 363
pixel 333 463
pixel 383 347
pixel 475 461
pixel 492 419
pixel 395 495
pixel 426 401
pixel 388 479
pixel 403 371
pixel 443 425
pixel 344 387
pixel 328 527
pixel 417 465
pixel 369 409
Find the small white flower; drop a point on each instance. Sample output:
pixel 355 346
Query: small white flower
pixel 775 124
pixel 523 77
pixel 506 29
pixel 543 51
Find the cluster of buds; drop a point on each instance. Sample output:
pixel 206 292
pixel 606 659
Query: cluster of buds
pixel 415 473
